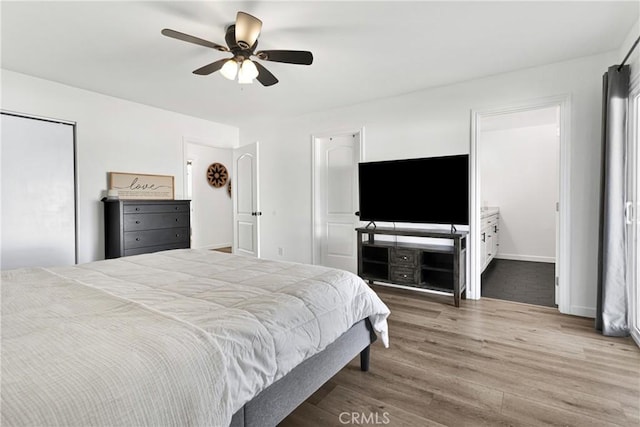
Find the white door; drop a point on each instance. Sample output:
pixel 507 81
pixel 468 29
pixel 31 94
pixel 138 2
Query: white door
pixel 38 193
pixel 246 210
pixel 336 200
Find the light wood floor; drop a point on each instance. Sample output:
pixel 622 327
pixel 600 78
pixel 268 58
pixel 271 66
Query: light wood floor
pixel 226 250
pixel 488 362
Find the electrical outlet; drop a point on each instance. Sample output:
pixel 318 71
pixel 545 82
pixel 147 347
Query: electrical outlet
pixel 280 251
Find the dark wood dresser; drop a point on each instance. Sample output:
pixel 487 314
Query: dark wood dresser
pixel 133 227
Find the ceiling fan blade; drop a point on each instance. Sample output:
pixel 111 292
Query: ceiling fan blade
pixel 247 29
pixel 210 68
pixel 191 39
pixel 264 76
pixel 302 57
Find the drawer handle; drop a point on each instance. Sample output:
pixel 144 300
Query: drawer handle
pixel 137 209
pixel 137 222
pixel 177 207
pixel 137 239
pixel 405 257
pixel 177 219
pixel 177 235
pixel 404 275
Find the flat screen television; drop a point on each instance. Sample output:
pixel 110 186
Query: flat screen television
pixel 432 190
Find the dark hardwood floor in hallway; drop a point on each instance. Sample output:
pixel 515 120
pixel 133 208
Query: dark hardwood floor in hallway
pixel 520 281
pixel 489 362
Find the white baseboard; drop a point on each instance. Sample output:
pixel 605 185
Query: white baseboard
pixel 578 310
pixel 533 258
pixel 635 334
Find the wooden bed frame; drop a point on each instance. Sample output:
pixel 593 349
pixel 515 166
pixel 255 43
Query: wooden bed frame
pixel 281 398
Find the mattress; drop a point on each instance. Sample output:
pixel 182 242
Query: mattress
pixel 182 337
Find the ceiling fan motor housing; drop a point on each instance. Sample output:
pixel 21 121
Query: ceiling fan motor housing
pixel 239 49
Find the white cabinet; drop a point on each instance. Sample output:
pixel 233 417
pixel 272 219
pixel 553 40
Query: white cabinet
pixel 489 228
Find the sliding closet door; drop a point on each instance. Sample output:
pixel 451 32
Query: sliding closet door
pixel 38 210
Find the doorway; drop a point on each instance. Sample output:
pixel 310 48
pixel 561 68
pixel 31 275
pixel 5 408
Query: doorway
pixel 518 157
pixel 561 217
pixel 211 206
pixel 335 198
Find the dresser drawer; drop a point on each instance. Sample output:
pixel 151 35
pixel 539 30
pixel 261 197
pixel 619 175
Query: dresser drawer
pixel 403 275
pixel 135 222
pixel 404 257
pixel 155 208
pixel 141 239
pixel 150 249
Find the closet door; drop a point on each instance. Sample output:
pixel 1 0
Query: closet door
pixel 38 213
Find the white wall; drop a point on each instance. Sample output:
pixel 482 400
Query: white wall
pixel 111 135
pixel 519 175
pixel 634 59
pixel 437 122
pixel 212 209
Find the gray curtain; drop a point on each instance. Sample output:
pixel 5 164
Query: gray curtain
pixel 612 309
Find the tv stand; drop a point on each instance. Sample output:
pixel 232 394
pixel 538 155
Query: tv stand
pixel 417 266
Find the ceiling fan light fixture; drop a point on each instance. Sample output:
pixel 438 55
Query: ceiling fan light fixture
pixel 248 72
pixel 230 69
pixel 247 29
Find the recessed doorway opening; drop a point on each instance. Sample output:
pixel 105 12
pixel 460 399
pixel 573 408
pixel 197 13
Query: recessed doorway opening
pixel 518 157
pixel 519 228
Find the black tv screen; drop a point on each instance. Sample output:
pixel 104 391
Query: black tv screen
pixel 431 190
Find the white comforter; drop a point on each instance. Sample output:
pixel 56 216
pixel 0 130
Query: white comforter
pixel 182 337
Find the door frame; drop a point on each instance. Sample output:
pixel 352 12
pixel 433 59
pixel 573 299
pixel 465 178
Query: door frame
pixel 563 251
pixel 633 218
pixel 315 193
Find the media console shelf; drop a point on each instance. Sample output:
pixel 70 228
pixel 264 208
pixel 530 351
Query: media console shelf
pixel 420 266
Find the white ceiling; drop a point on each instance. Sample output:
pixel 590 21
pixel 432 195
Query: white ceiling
pixel 362 50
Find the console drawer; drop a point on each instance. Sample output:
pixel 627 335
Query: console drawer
pixel 403 275
pixel 405 257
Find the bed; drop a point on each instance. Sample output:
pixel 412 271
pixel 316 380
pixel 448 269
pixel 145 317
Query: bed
pixel 180 337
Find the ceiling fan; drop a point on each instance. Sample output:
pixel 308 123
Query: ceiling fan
pixel 242 41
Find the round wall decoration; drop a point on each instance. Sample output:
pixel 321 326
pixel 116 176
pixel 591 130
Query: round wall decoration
pixel 217 175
